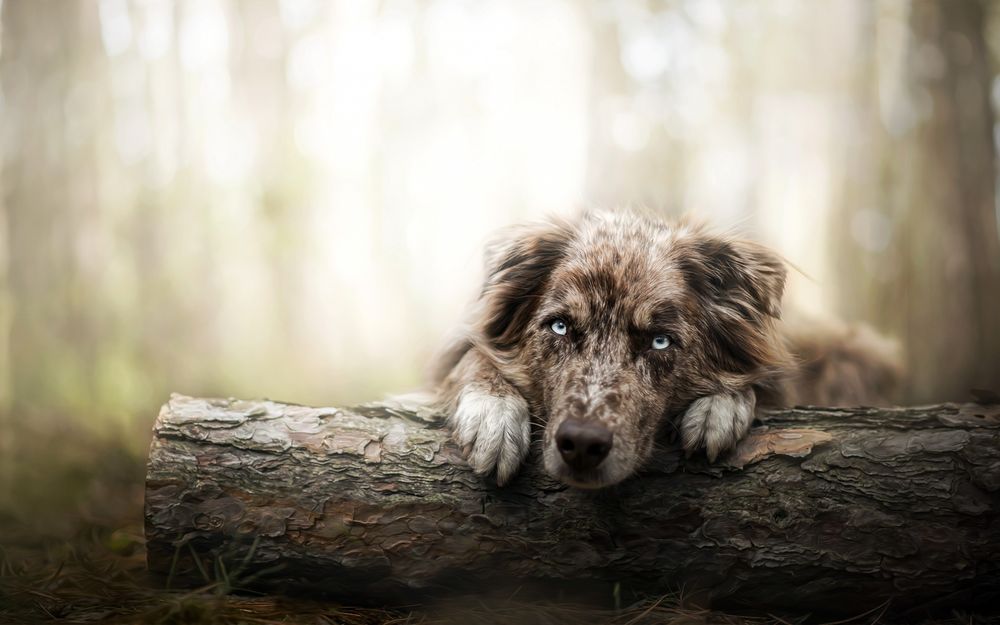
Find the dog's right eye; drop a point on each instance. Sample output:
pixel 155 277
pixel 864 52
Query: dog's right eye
pixel 559 327
pixel 661 341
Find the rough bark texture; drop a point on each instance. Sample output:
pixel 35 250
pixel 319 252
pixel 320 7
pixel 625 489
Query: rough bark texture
pixel 820 509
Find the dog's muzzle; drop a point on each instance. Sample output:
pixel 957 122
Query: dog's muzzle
pixel 583 445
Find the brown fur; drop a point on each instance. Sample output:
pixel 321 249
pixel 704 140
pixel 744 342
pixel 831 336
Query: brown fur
pixel 839 365
pixel 619 280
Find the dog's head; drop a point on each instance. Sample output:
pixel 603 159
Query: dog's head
pixel 612 325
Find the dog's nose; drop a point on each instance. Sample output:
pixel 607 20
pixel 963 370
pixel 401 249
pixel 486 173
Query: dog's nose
pixel 583 444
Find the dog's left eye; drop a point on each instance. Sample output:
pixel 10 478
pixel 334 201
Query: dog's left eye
pixel 661 341
pixel 559 327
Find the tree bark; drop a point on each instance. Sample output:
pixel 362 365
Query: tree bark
pixel 825 510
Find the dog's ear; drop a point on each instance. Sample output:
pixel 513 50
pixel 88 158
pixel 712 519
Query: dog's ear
pixel 739 285
pixel 748 276
pixel 518 264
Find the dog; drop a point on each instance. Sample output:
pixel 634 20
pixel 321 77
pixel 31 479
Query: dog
pixel 608 328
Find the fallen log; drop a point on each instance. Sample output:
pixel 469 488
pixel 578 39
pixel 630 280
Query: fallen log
pixel 821 510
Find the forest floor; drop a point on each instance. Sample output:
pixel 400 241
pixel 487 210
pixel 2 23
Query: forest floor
pixel 71 551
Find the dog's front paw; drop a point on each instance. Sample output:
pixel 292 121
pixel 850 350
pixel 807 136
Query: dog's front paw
pixel 494 432
pixel 717 422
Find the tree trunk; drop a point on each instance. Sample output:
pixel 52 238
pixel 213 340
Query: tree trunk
pixel 918 244
pixel 823 510
pixel 53 142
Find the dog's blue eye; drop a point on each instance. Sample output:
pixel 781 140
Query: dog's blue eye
pixel 661 342
pixel 559 327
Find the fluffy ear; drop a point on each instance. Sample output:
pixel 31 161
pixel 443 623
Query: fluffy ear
pixel 739 285
pixel 518 265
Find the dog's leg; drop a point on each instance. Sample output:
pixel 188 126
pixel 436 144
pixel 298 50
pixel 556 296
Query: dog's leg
pixel 718 422
pixel 490 418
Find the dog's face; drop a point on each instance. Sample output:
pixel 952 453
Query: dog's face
pixel 612 325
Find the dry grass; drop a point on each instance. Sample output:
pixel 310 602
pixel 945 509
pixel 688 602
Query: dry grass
pixel 98 576
pixel 71 551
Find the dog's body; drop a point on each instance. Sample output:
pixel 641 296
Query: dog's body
pixel 607 327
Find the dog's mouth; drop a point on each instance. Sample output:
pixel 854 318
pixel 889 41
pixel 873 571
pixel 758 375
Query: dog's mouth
pixel 588 482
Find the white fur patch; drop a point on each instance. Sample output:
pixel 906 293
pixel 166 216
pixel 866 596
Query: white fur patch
pixel 495 432
pixel 718 422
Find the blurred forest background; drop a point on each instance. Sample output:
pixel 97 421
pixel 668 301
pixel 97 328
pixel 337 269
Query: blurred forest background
pixel 289 198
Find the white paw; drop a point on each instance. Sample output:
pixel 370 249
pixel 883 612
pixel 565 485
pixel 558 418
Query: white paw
pixel 717 422
pixel 494 431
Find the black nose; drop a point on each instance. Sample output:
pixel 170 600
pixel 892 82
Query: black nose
pixel 583 444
